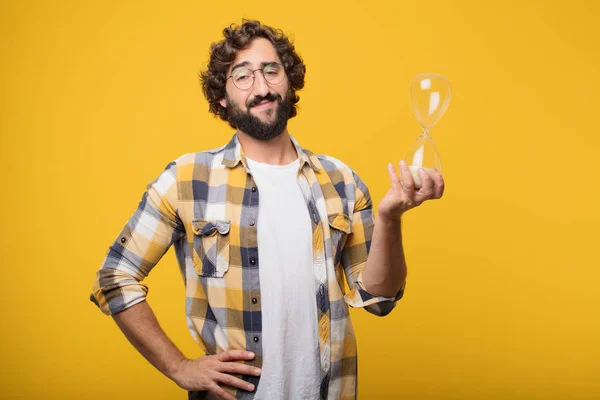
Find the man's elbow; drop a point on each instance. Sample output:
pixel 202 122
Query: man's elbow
pixel 381 309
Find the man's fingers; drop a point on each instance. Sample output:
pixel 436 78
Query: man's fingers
pixel 235 355
pixel 231 380
pixel 439 185
pixel 237 368
pixel 393 175
pixel 407 179
pixel 426 191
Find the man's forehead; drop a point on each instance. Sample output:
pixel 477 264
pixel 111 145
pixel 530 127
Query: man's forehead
pixel 260 51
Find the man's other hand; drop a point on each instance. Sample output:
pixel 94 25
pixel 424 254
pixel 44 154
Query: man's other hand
pixel 210 373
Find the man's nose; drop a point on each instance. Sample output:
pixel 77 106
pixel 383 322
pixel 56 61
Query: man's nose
pixel 260 87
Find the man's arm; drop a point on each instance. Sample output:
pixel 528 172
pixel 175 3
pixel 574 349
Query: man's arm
pixel 385 272
pixel 358 250
pixel 151 230
pixel 119 291
pixel 138 323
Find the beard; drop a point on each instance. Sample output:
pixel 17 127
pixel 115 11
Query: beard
pixel 252 125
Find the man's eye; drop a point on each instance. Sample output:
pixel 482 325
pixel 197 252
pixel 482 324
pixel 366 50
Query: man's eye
pixel 241 78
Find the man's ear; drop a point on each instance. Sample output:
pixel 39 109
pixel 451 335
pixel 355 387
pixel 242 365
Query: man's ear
pixel 223 103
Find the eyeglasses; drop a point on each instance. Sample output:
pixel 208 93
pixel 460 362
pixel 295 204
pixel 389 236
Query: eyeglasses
pixel 243 78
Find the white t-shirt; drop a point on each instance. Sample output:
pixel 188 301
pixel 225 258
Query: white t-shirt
pixel 291 368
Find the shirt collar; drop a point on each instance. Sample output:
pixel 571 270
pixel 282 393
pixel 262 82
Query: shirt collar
pixel 234 154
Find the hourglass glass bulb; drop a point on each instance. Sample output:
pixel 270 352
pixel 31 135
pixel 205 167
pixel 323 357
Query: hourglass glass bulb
pixel 423 154
pixel 430 96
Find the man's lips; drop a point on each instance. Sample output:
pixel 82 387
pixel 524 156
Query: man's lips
pixel 264 104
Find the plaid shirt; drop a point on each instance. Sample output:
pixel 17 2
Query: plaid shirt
pixel 206 205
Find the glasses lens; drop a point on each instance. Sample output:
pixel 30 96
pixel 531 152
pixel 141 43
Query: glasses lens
pixel 243 78
pixel 273 73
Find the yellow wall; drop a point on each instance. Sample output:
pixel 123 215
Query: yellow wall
pixel 503 293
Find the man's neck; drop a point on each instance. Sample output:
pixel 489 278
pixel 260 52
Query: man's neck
pixel 277 151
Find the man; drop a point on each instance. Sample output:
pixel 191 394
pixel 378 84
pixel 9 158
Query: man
pixel 264 232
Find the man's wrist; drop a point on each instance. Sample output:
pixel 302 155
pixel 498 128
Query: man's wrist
pixel 176 369
pixel 387 220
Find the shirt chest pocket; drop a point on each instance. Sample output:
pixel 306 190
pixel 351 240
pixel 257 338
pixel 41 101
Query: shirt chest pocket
pixel 210 250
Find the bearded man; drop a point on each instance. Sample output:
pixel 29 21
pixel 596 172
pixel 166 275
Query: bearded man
pixel 266 234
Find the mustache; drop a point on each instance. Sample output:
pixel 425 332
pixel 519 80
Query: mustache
pixel 269 97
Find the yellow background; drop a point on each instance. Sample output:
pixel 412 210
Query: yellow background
pixel 503 293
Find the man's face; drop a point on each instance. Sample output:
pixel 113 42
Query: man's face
pixel 262 110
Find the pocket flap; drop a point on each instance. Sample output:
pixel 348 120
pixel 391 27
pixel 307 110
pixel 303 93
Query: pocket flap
pixel 340 222
pixel 206 227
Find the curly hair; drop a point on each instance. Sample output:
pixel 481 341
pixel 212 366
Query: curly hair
pixel 224 52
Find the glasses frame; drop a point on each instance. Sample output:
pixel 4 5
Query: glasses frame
pixel 263 74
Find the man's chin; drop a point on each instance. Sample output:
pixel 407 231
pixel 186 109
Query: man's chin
pixel 265 118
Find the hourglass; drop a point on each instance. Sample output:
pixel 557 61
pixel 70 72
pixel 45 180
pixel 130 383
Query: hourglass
pixel 429 96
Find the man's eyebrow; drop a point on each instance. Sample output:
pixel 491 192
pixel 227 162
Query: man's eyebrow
pixel 240 65
pixel 247 64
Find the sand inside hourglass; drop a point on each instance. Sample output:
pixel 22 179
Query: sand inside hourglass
pixel 415 174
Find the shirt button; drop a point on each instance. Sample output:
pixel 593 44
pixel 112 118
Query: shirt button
pixel 123 240
pixel 254 188
pixel 253 261
pixel 255 339
pixel 254 300
pixel 251 223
